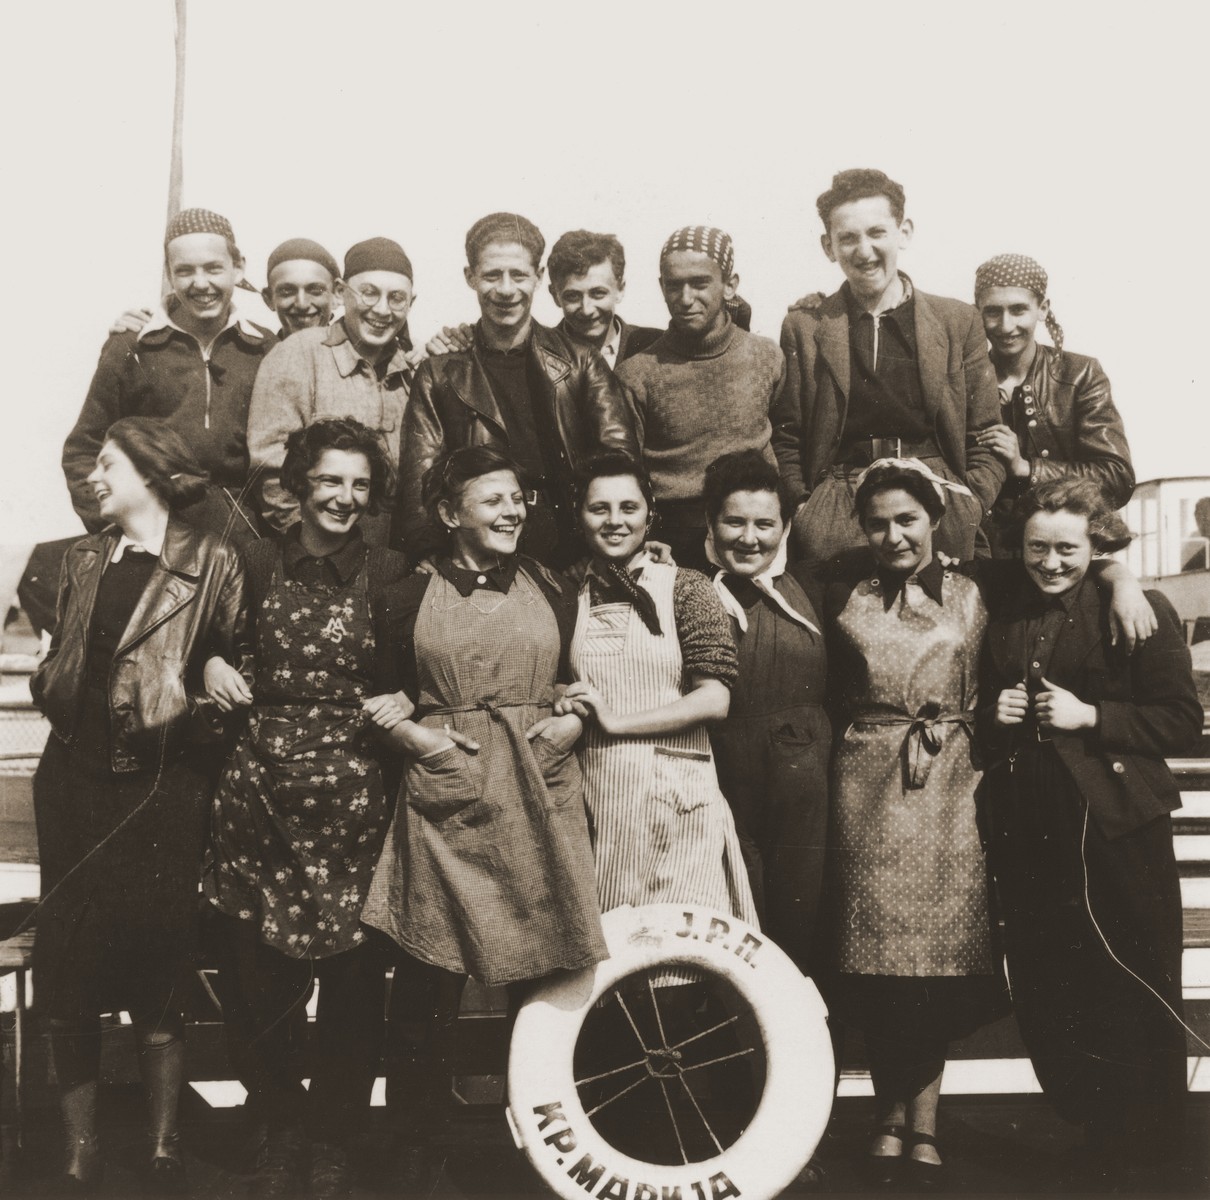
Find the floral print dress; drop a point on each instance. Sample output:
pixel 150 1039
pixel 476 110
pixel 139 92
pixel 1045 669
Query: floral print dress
pixel 300 813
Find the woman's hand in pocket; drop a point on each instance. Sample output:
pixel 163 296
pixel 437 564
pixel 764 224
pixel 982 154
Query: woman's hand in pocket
pixel 561 731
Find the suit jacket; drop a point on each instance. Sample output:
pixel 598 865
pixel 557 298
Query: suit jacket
pixel 453 405
pixel 957 383
pixel 193 606
pixel 1147 701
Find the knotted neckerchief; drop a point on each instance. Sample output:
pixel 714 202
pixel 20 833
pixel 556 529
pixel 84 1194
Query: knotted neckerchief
pixel 617 577
pixel 762 582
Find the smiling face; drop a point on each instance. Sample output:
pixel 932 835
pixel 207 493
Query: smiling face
pixel 340 485
pixel 1010 318
pixel 899 530
pixel 589 301
pixel 1057 550
pixel 376 305
pixel 119 488
pixel 696 292
pixel 748 531
pixel 614 517
pixel 864 240
pixel 504 279
pixel 300 292
pixel 203 276
pixel 487 518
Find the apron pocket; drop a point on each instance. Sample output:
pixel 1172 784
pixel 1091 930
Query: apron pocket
pixel 440 785
pixel 679 779
pixel 560 769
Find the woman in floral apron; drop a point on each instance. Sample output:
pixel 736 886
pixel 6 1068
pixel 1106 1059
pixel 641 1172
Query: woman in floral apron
pixel 487 868
pixel 300 813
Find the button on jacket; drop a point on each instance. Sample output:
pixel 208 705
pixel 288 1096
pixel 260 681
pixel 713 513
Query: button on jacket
pixel 1067 423
pixel 452 405
pixel 192 607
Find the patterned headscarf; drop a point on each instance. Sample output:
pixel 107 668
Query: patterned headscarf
pixel 202 220
pixel 703 239
pixel 1018 271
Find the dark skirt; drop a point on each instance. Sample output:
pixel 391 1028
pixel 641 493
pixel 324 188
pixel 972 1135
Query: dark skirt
pixel 120 858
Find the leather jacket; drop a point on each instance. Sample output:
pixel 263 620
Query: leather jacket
pixel 192 607
pixel 452 406
pixel 1076 430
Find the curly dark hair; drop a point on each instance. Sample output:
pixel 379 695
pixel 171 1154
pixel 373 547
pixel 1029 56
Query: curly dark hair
pixel 578 251
pixel 1083 497
pixel 305 447
pixel 607 465
pixel 160 454
pixel 890 478
pixel 743 471
pixel 504 228
pixel 447 478
pixel 859 183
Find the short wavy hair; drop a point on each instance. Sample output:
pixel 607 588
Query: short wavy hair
pixel 447 478
pixel 743 471
pixel 1083 497
pixel 860 183
pixel 506 229
pixel 891 478
pixel 161 455
pixel 577 252
pixel 306 446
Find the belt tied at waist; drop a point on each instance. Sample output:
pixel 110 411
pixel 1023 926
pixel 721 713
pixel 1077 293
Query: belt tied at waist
pixel 922 742
pixel 488 706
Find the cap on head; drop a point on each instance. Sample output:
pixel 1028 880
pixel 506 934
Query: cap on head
pixel 303 248
pixel 201 220
pixel 704 239
pixel 1011 270
pixel 377 254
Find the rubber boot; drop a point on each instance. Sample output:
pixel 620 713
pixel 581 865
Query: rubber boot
pixel 75 1053
pixel 162 1066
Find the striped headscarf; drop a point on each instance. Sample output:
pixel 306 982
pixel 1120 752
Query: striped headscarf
pixel 703 239
pixel 1018 271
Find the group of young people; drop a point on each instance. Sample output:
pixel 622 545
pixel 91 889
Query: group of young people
pixel 407 661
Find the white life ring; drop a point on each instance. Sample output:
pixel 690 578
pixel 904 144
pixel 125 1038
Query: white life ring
pixel 547 1117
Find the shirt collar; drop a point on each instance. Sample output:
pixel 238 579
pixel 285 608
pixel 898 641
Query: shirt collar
pixel 498 578
pixel 161 323
pixel 931 579
pixel 155 548
pixel 345 562
pixel 350 360
pixel 856 310
pixel 613 343
pixel 1063 602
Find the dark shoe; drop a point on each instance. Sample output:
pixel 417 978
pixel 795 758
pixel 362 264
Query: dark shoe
pixel 279 1167
pixel 166 1175
pixel 330 1174
pixel 410 1170
pixel 84 1168
pixel 884 1168
pixel 919 1174
pixel 812 1178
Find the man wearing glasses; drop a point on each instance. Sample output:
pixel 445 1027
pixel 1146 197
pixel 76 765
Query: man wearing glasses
pixel 356 367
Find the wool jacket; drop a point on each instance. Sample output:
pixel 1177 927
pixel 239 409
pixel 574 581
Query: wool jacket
pixel 957 383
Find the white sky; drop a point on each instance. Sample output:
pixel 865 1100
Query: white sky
pixel 1073 132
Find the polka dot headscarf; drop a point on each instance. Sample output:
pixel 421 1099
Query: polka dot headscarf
pixel 1019 271
pixel 704 239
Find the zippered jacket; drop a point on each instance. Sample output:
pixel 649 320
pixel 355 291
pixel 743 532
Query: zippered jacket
pixel 162 372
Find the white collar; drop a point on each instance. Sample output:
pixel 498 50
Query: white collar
pixel 763 582
pixel 125 543
pixel 160 319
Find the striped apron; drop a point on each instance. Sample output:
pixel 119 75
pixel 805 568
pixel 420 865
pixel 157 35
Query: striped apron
pixel 662 831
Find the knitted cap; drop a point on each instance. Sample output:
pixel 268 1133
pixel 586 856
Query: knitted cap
pixel 1018 271
pixel 377 254
pixel 703 239
pixel 303 248
pixel 200 220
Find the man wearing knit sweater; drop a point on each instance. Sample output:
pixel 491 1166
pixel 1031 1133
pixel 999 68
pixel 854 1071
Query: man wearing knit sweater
pixel 703 388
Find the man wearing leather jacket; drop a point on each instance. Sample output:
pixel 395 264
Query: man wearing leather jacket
pixel 546 400
pixel 1057 412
